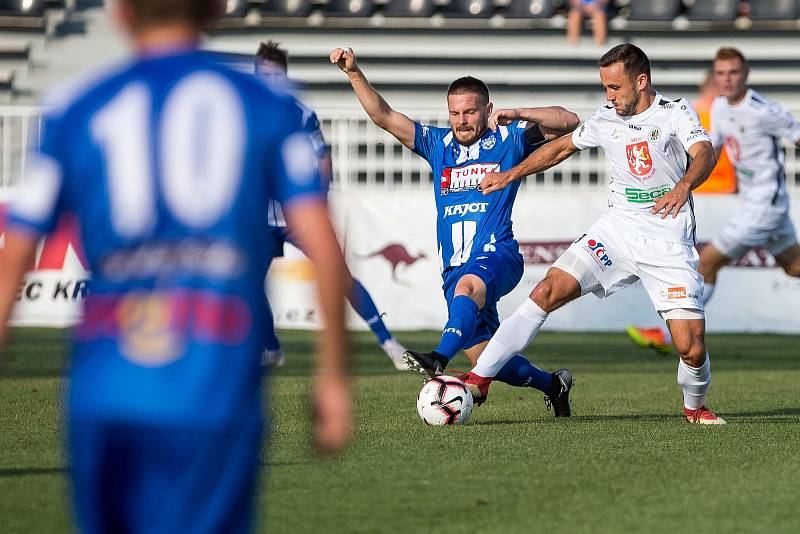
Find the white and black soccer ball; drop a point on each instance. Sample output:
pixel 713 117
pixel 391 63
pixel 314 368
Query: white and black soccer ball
pixel 444 400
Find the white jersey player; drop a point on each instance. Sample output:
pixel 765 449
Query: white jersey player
pixel 647 234
pixel 750 127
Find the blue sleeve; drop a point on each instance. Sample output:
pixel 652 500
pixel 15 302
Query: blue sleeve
pixel 40 198
pixel 294 165
pixel 426 139
pixel 314 129
pixel 527 142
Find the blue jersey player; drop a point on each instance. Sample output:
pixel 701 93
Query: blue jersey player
pixel 271 65
pixel 169 161
pixel 479 257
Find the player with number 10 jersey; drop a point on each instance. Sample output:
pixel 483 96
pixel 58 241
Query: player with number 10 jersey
pixel 168 165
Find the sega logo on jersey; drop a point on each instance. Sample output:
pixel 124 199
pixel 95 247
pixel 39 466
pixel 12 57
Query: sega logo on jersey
pixel 463 209
pixel 599 251
pixel 455 179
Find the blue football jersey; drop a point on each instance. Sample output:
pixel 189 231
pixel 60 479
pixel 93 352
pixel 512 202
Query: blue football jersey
pixel 468 221
pixel 310 124
pixel 169 163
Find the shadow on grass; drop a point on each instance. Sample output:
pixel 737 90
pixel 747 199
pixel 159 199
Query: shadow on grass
pixel 780 415
pixel 10 472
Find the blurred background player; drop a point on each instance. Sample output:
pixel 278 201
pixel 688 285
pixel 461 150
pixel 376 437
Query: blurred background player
pixel 647 234
pixel 159 160
pixel 480 259
pixel 594 9
pixel 271 64
pixel 749 127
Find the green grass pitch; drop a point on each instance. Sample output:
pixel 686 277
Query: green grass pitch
pixel 625 462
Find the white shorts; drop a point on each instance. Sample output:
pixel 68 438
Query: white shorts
pixel 757 226
pixel 611 256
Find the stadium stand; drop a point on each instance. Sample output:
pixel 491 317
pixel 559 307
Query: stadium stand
pixel 411 51
pixel 774 9
pixel 714 10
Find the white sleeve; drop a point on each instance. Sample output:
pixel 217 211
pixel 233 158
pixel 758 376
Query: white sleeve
pixel 686 124
pixel 587 135
pixel 714 133
pixel 780 123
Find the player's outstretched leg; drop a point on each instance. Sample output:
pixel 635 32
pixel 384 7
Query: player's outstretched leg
pixel 694 367
pixel 520 372
pixel 273 355
pixel 462 320
pixel 516 332
pixel 362 303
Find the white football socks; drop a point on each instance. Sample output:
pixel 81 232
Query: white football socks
pixel 694 381
pixel 708 290
pixel 514 334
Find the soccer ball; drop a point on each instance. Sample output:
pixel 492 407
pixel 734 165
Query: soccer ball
pixel 444 400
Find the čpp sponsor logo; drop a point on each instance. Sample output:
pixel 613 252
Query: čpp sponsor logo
pixel 599 250
pixel 461 210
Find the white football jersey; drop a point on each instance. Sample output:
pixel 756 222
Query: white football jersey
pixel 750 131
pixel 648 156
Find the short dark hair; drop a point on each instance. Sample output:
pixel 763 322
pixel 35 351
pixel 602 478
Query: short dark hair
pixel 469 84
pixel 196 12
pixel 272 51
pixel 633 59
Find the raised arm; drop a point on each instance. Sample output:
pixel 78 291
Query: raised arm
pixel 553 121
pixel 373 103
pixel 542 159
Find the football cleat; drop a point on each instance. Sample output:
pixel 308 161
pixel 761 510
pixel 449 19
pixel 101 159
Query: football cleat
pixel 394 350
pixel 558 396
pixel 478 386
pixel 273 358
pixel 702 416
pixel 430 364
pixel 649 338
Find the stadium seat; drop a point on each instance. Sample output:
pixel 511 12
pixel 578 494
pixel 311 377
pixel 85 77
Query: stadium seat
pixel 649 10
pixel 235 8
pixel 349 8
pixel 409 8
pixel 529 9
pixel 31 8
pixel 468 9
pixel 714 10
pixel 286 8
pixel 774 9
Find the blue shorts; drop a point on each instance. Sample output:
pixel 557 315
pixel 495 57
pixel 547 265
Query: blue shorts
pixel 501 271
pixel 134 478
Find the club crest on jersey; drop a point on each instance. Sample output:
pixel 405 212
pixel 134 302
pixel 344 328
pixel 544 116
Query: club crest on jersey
pixel 734 150
pixel 488 143
pixel 655 135
pixel 456 179
pixel 598 252
pixel 639 160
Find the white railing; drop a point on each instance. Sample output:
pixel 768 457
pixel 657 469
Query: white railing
pixel 364 156
pixel 19 126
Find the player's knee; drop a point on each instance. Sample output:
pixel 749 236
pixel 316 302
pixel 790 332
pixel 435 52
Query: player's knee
pixel 692 351
pixel 544 295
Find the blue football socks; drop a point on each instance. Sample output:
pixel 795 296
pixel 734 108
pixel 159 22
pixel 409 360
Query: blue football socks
pixel 460 327
pixel 520 372
pixel 365 307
